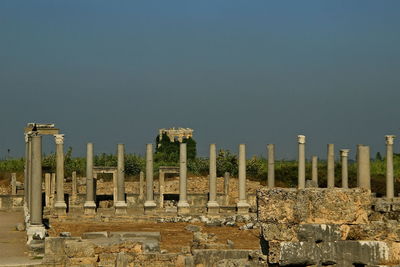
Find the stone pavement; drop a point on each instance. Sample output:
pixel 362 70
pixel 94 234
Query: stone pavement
pixel 13 251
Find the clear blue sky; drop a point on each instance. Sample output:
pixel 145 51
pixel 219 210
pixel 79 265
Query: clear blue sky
pixel 253 72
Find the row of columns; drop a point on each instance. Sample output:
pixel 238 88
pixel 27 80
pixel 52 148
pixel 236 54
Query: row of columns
pixel 363 166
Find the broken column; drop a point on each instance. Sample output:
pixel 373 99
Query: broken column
pixel 150 204
pixel 363 167
pixel 13 183
pixel 301 139
pixel 344 154
pixel 271 165
pixel 47 189
pixel 314 171
pixel 74 187
pixel 389 166
pixel 60 205
pixel 212 204
pixel 226 187
pixel 183 205
pixel 120 204
pixel 242 206
pixel 90 205
pixel 141 185
pixel 53 189
pixel 331 166
pixel 36 227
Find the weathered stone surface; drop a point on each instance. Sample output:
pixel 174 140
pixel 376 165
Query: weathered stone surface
pixel 93 235
pixel 79 249
pixel 377 231
pixel 319 232
pixel 341 253
pixel 314 205
pixel 279 231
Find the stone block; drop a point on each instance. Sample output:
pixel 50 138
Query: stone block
pixel 54 246
pixel 79 249
pixel 314 205
pixel 148 235
pixel 279 231
pixel 376 231
pixel 382 205
pixel 93 235
pixel 319 232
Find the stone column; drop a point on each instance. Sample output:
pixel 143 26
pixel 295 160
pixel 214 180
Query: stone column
pixel 60 205
pixel 13 183
pixel 47 190
pixel 212 205
pixel 90 205
pixel 226 187
pixel 53 189
pixel 331 166
pixel 314 172
pixel 36 213
pixel 389 166
pixel 150 204
pixel 141 185
pixel 30 174
pixel 36 224
pixel 242 205
pixel 74 187
pixel 183 205
pixel 344 154
pixel 363 167
pixel 301 139
pixel 26 178
pixel 161 184
pixel 120 204
pixel 271 165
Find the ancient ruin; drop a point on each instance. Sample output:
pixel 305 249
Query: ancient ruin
pixel 303 226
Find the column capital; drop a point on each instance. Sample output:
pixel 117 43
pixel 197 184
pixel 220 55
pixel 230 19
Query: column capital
pixel 26 136
pixel 59 138
pixel 344 152
pixel 390 139
pixel 301 139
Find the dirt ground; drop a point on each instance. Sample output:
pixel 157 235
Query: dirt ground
pixel 174 236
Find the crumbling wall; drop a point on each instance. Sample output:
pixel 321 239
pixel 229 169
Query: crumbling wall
pixel 320 227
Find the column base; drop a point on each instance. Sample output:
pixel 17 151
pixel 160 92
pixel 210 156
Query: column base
pixel 212 208
pixel 243 207
pixel 149 206
pixel 90 208
pixel 60 208
pixel 183 207
pixel 35 232
pixel 121 208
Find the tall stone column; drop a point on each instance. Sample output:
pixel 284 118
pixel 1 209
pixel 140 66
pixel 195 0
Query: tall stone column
pixel 363 167
pixel 26 178
pixel 242 205
pixel 226 187
pixel 161 189
pixel 331 166
pixel 47 191
pixel 183 205
pixel 60 205
pixel 36 227
pixel 301 139
pixel 120 204
pixel 389 166
pixel 212 205
pixel 271 165
pixel 314 171
pixel 150 204
pixel 90 205
pixel 344 154
pixel 30 175
pixel 74 187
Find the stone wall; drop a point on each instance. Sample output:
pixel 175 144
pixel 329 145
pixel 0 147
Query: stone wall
pixel 327 227
pixel 8 202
